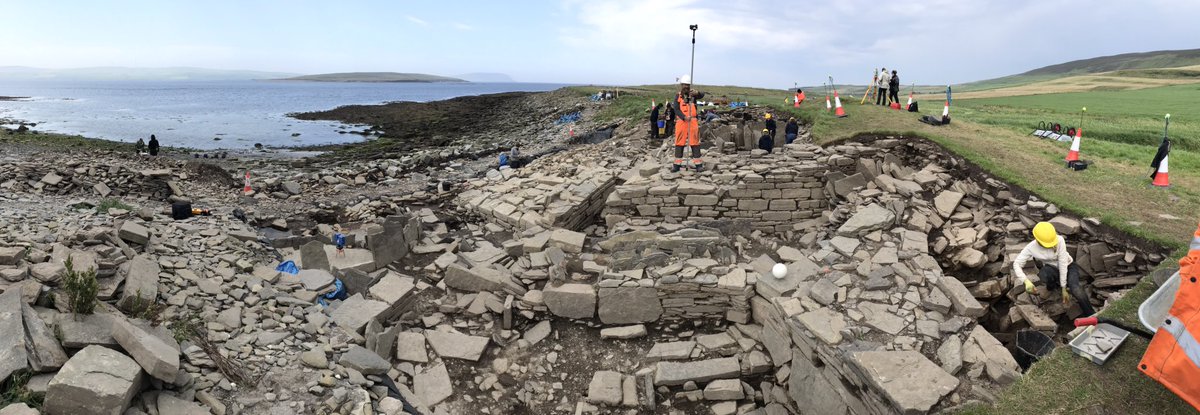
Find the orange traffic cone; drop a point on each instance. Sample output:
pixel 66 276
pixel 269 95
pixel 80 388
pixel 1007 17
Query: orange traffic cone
pixel 799 99
pixel 946 109
pixel 652 105
pixel 1073 154
pixel 246 188
pixel 909 104
pixel 1160 178
pixel 828 106
pixel 838 111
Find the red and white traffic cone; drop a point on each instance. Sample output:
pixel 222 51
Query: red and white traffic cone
pixel 909 104
pixel 828 106
pixel 946 109
pixel 246 187
pixel 1073 154
pixel 796 101
pixel 838 111
pixel 652 105
pixel 1160 178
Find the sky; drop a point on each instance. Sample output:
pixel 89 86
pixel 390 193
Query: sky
pixel 764 43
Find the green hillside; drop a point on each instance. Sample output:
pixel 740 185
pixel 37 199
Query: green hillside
pixel 373 77
pixel 1127 64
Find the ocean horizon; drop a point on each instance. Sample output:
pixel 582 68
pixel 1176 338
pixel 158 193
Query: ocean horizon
pixel 210 115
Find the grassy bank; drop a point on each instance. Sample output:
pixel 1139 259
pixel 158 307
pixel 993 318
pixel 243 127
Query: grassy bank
pixel 1116 190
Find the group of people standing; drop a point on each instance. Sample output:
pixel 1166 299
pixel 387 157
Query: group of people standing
pixel 141 146
pixel 889 87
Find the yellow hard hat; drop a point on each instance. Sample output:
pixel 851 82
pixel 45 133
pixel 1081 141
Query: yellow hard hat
pixel 768 116
pixel 1044 233
pixel 766 130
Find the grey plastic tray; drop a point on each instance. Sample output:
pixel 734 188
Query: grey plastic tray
pixel 1099 342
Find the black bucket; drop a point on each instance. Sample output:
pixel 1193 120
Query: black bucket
pixel 1032 346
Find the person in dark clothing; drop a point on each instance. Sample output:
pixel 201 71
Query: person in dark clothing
pixel 1163 149
pixel 153 145
pixel 654 121
pixel 766 142
pixel 894 87
pixel 771 125
pixel 670 121
pixel 791 130
pixel 140 146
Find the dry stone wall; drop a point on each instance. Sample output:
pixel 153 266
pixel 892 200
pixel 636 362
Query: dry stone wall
pixel 770 192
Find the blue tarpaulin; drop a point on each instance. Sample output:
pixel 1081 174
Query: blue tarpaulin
pixel 338 293
pixel 288 267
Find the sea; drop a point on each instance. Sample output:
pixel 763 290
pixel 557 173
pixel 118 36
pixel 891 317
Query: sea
pixel 211 115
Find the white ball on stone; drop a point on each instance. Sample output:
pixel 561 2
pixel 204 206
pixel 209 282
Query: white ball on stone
pixel 779 271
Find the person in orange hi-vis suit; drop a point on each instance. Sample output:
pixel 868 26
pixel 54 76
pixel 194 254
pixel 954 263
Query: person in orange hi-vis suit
pixel 1173 357
pixel 687 124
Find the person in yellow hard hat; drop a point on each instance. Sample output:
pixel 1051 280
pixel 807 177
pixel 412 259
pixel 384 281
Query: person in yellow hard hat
pixel 1058 269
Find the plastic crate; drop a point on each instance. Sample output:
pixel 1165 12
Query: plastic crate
pixel 1086 344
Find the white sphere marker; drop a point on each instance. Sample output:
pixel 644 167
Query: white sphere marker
pixel 779 271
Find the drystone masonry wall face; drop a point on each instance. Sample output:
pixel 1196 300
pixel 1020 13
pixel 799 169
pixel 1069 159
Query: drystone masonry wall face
pixel 520 200
pixel 771 193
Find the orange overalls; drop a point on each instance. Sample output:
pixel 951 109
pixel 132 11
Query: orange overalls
pixel 799 98
pixel 687 133
pixel 1173 358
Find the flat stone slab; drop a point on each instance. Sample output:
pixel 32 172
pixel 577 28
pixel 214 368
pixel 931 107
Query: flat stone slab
pixel 432 385
pixel 156 356
pixel 605 388
pixel 457 345
pixel 13 356
pixel 82 331
pixel 624 332
pixel 350 258
pixel 392 288
pixel 910 382
pixel 356 312
pixel 671 351
pixel 878 317
pixel 411 347
pixel 364 361
pixel 678 373
pixel 870 218
pixel 824 323
pixel 315 280
pixel 141 281
pixel 97 380
pixel 571 300
pixel 724 390
pixel 964 302
pixel 628 305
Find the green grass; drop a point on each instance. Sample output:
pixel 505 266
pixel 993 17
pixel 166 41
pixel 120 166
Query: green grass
pixel 15 391
pixel 1128 117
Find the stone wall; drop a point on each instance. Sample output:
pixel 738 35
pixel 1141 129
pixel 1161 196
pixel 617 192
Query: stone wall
pixel 519 199
pixel 770 191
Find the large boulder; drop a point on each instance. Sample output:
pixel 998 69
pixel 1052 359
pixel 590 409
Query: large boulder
pixel 10 255
pixel 97 380
pixel 628 305
pixel 571 300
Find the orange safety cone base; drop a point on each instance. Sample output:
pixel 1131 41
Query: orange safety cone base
pixel 1161 180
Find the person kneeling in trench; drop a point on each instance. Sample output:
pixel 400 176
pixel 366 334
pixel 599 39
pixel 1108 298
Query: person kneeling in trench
pixel 1050 251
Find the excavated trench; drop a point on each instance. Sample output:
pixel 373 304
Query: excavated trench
pixel 1112 261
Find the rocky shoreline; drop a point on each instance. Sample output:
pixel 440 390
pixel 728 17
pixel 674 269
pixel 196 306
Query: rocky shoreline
pixel 589 280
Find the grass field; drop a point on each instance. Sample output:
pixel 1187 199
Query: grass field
pixel 1116 190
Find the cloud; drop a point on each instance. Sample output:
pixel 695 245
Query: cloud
pixel 417 21
pixel 462 26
